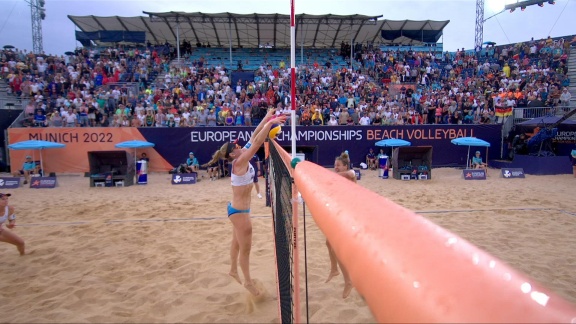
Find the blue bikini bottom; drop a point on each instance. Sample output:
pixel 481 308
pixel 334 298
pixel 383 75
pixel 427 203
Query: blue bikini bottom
pixel 232 210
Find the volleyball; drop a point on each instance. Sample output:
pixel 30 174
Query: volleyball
pixel 274 131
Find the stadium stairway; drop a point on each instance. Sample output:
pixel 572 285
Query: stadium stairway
pixel 8 100
pixel 572 75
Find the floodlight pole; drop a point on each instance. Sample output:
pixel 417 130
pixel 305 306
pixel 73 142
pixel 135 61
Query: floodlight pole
pixel 479 35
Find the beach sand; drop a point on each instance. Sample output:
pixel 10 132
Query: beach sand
pixel 159 253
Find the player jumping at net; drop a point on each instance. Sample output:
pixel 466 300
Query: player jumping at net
pixel 342 167
pixel 242 177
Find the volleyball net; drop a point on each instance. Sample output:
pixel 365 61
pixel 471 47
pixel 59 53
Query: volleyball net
pixel 407 268
pixel 285 229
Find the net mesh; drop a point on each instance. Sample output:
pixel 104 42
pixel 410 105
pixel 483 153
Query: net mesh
pixel 279 185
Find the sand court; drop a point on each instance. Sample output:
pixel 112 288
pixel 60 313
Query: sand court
pixel 159 253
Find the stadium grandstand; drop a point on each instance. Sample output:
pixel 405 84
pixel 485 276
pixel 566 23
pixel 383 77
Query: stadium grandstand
pixel 352 70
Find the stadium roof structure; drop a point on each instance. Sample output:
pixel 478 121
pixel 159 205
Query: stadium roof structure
pixel 255 30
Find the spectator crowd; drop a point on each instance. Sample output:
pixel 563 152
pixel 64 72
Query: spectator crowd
pixel 384 87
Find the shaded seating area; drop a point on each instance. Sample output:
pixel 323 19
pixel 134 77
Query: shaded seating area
pixel 117 165
pixel 413 162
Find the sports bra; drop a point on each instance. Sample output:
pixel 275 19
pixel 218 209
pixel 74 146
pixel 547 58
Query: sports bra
pixel 244 179
pixel 5 217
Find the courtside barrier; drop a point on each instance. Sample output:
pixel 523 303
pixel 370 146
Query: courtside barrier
pixel 411 270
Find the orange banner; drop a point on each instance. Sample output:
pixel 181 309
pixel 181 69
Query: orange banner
pixel 79 141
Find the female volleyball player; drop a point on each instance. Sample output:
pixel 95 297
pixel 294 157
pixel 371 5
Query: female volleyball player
pixel 7 213
pixel 342 167
pixel 242 176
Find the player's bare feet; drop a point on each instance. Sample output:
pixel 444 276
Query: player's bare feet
pixel 252 288
pixel 235 276
pixel 347 289
pixel 332 275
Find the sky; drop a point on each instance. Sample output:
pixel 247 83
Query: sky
pixel 504 28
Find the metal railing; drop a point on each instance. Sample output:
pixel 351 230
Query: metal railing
pixel 130 88
pixel 523 114
pixel 10 103
pixel 18 121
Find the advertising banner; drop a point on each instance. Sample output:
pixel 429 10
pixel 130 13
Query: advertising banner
pixel 142 171
pixel 108 181
pixel 319 144
pixel 509 173
pixel 43 182
pixel 9 183
pixel 383 163
pixel 184 178
pixel 474 174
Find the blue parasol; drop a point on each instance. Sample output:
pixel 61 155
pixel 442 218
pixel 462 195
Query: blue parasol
pixel 392 142
pixel 36 145
pixel 134 144
pixel 471 141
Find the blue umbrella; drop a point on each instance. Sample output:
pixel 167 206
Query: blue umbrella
pixel 392 142
pixel 471 141
pixel 135 144
pixel 36 145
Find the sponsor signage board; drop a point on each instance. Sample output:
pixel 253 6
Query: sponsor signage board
pixel 43 182
pixel 474 174
pixel 184 178
pixel 9 183
pixel 509 173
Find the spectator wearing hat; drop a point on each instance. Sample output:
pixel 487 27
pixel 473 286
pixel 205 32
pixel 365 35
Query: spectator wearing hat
pixel 477 161
pixel 28 168
pixel 7 215
pixel 192 164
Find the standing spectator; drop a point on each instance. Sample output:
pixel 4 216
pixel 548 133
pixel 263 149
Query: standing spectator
pixel 70 117
pixel 565 98
pixel 56 120
pixel 40 119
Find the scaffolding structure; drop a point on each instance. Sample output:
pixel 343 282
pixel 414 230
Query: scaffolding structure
pixel 37 14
